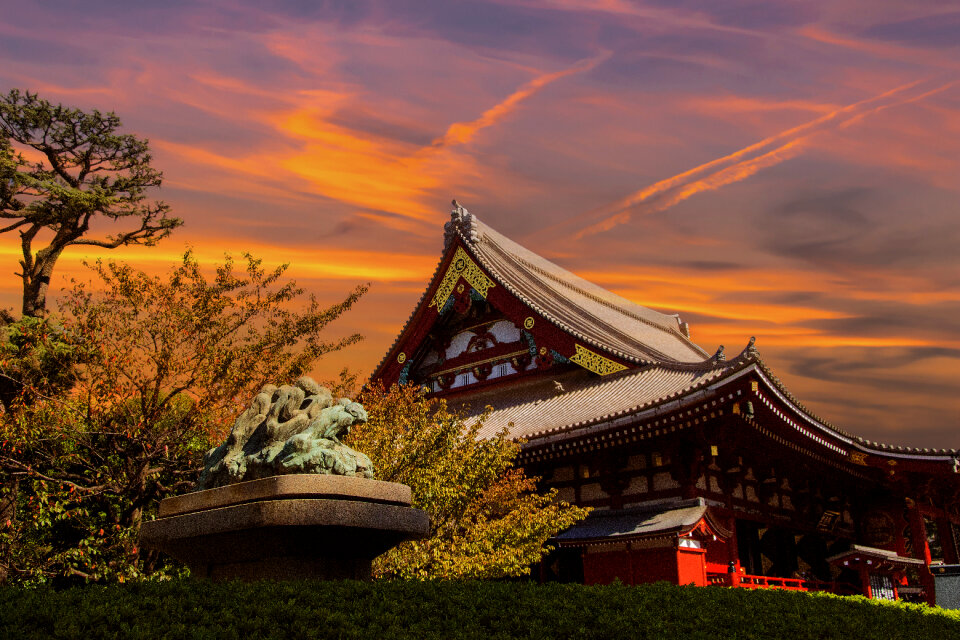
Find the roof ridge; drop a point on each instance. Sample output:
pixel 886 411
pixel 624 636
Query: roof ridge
pixel 559 323
pixel 461 222
pixel 481 238
pixel 598 299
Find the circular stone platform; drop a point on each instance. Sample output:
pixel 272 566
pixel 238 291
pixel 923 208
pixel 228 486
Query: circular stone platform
pixel 286 527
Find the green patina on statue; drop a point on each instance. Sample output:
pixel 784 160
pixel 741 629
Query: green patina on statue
pixel 290 429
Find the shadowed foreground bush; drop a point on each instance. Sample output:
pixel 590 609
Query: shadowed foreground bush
pixel 453 610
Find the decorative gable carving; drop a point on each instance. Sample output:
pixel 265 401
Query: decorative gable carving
pixel 462 266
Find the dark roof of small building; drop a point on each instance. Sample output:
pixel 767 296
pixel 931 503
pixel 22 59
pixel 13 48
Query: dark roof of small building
pixel 857 551
pixel 674 519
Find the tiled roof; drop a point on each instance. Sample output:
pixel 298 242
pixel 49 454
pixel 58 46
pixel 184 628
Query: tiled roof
pixel 871 446
pixel 859 550
pixel 664 519
pixel 674 366
pixel 590 312
pixel 541 408
pixel 534 410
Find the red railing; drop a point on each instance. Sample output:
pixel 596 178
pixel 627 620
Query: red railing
pixel 748 581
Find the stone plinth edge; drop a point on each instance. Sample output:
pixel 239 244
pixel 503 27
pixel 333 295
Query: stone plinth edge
pixel 301 485
pixel 286 527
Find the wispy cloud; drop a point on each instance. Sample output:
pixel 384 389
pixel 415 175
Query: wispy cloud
pixel 464 132
pixel 746 162
pixel 385 176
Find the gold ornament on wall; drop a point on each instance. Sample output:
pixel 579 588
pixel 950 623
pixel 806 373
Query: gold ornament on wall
pixel 595 362
pixel 464 267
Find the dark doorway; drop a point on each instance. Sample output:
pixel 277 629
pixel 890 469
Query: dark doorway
pixel 748 547
pixel 563 565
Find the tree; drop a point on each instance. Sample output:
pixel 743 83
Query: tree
pixel 60 168
pixel 487 519
pixel 37 359
pixel 167 364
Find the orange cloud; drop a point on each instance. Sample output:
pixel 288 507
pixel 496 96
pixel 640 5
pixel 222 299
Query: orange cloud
pixel 720 295
pixel 464 132
pixel 927 57
pixel 740 104
pixel 328 263
pixel 384 175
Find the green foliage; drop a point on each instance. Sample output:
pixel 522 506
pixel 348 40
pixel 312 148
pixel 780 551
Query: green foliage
pixel 450 609
pixel 167 362
pixel 37 359
pixel 486 518
pixel 77 168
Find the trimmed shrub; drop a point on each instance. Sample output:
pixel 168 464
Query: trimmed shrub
pixel 434 609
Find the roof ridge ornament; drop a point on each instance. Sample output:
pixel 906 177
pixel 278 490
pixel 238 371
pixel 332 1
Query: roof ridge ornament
pixel 462 223
pixel 720 355
pixel 750 351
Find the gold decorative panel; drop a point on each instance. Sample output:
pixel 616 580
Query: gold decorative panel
pixel 462 266
pixel 595 362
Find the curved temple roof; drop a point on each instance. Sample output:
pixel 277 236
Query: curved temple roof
pixel 671 367
pixel 597 316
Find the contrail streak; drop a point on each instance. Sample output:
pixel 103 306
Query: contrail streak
pixel 740 165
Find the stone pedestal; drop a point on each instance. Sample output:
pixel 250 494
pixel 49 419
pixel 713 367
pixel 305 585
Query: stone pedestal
pixel 286 527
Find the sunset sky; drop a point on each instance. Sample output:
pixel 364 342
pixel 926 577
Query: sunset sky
pixel 788 170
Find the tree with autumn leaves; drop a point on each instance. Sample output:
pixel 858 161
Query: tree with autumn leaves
pixel 108 406
pixel 123 392
pixel 151 372
pixel 487 518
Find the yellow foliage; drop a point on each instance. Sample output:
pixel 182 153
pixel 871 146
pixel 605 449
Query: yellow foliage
pixel 487 519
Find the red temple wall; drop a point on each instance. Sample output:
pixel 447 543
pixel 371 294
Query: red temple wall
pixel 678 566
pixel 653 565
pixel 605 567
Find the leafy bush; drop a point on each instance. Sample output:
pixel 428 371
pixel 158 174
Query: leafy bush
pixel 114 405
pixel 487 519
pixel 433 609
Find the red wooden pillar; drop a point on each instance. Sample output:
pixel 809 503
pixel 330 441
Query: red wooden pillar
pixel 733 553
pixel 865 580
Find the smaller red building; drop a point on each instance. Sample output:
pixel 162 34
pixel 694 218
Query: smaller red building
pixel 699 468
pixel 649 543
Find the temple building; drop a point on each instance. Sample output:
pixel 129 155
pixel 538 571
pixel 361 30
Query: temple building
pixel 700 468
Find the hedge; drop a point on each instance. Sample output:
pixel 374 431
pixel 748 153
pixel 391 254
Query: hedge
pixel 189 609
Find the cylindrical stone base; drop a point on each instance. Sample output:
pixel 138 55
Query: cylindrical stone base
pixel 286 528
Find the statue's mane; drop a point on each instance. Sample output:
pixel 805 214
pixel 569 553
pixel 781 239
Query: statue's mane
pixel 288 429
